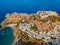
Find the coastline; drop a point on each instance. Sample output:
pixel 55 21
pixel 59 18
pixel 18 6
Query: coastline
pixel 15 39
pixel 14 20
pixel 11 26
pixel 15 42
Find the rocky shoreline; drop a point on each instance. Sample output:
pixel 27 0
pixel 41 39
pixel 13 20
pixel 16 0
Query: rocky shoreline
pixel 38 27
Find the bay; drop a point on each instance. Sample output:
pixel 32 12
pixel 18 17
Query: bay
pixel 6 36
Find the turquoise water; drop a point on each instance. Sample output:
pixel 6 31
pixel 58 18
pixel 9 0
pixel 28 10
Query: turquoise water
pixel 6 36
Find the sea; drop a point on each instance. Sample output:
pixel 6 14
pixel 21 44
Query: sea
pixel 6 36
pixel 23 6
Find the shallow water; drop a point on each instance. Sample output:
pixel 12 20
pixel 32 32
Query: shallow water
pixel 6 36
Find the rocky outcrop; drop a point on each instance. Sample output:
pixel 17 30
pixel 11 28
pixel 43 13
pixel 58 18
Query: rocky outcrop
pixel 40 21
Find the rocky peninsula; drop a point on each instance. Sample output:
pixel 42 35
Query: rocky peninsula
pixel 36 28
